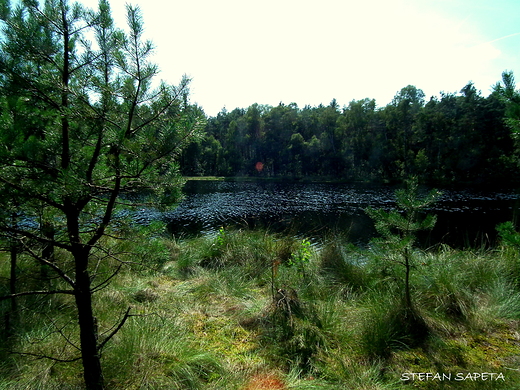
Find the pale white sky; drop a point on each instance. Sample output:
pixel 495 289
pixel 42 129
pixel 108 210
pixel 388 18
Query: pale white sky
pixel 240 52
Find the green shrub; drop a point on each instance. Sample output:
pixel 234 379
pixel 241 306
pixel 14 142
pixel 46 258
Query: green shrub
pixel 296 330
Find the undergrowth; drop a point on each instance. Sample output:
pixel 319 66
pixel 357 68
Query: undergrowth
pixel 251 310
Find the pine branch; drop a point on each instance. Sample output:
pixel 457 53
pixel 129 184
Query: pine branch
pixel 60 331
pixel 33 195
pixel 51 264
pixel 105 282
pixel 26 293
pixel 41 356
pixel 118 327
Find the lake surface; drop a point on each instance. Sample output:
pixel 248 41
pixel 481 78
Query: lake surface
pixel 465 217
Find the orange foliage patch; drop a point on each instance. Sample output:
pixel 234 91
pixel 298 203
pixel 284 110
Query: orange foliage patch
pixel 265 382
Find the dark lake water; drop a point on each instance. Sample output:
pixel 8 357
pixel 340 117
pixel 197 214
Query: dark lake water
pixel 465 217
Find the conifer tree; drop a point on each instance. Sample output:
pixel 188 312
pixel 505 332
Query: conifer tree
pixel 398 229
pixel 81 123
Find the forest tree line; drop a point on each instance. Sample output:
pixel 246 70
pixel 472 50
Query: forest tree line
pixel 455 138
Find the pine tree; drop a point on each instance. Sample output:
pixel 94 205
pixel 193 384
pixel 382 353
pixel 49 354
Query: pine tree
pixel 398 229
pixel 81 124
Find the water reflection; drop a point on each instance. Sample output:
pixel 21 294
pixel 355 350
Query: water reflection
pixel 464 217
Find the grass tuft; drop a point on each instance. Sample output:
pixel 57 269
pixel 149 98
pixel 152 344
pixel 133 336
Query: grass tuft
pixel 250 310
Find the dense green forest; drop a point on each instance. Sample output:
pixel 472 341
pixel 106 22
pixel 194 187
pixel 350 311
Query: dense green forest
pixel 456 138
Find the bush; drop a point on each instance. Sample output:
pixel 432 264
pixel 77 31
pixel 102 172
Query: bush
pixel 296 329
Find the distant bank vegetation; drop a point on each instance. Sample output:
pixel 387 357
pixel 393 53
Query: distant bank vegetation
pixel 457 138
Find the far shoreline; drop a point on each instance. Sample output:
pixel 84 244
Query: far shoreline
pixel 485 186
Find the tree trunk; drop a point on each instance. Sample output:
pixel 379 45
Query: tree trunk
pixel 92 371
pixel 408 298
pixel 48 249
pixel 12 314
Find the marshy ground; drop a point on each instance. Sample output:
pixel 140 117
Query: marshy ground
pixel 253 310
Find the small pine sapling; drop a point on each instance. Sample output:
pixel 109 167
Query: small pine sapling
pixel 398 228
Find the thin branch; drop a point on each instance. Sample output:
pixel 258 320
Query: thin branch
pixel 105 282
pixel 34 195
pixel 108 212
pixel 82 65
pixel 40 356
pixel 59 330
pixel 58 270
pixel 35 237
pixel 178 92
pixel 49 292
pixel 31 164
pixel 118 327
pixel 95 157
pixel 160 156
pixel 33 87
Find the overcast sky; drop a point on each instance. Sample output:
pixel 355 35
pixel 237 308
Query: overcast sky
pixel 240 52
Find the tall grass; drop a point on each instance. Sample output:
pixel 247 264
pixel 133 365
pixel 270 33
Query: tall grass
pixel 158 353
pixel 242 308
pixel 469 287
